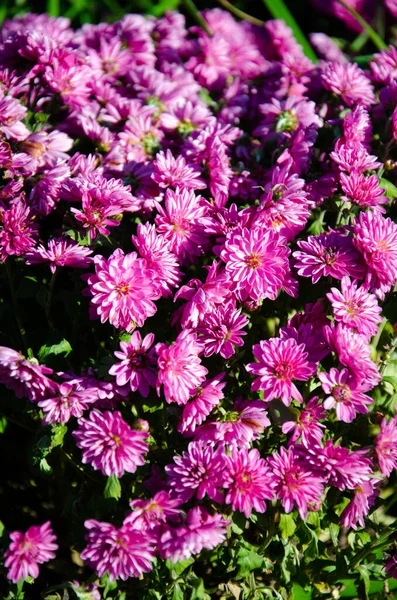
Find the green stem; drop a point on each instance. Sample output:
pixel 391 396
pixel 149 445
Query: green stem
pixel 22 332
pixel 377 40
pixel 376 339
pixel 196 15
pixel 241 14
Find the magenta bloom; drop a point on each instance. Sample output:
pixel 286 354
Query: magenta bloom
pixel 71 400
pixel 123 553
pixel 29 550
pixel 138 364
pixel 295 483
pixel 123 290
pixel 149 514
pixel 328 254
pixel 356 307
pixel 307 425
pixel 346 394
pixel 24 376
pixel 386 447
pixel 358 508
pixel 249 481
pixel 279 363
pixel 207 396
pixel 376 239
pixel 60 253
pixel 201 530
pixel 182 223
pixel 175 172
pixel 109 443
pixel 349 82
pixel 362 190
pixel 18 231
pixel 257 263
pixel 198 471
pixel 340 467
pixel 222 329
pixel 179 368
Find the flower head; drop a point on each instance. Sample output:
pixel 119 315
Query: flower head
pixel 138 364
pixel 28 550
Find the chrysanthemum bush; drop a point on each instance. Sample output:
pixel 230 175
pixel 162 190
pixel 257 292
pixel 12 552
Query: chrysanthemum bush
pixel 198 245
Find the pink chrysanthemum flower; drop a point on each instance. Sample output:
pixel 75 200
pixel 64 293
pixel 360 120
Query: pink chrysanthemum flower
pixel 211 64
pixel 123 553
pixel 98 213
pixel 28 550
pixel 307 425
pixel 386 447
pixel 357 127
pixel 156 252
pixel 376 238
pixel 286 116
pixel 243 424
pixel 138 364
pixel 123 290
pixel 327 254
pixel 182 223
pixel 353 352
pixel 355 307
pixel 345 394
pixel 362 190
pixel 198 471
pixel 358 508
pixel 257 263
pixel 109 443
pixel 71 400
pixel 221 330
pixel 201 530
pixel 279 363
pixel 179 368
pixel 384 66
pixel 18 232
pixel 353 157
pixel 340 467
pixel 149 514
pixel 295 482
pixel 349 82
pixel 207 396
pixel 24 376
pixel 249 481
pixel 175 172
pixel 60 253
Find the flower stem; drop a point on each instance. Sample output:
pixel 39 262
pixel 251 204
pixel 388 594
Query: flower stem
pixel 376 39
pixel 196 15
pixel 241 14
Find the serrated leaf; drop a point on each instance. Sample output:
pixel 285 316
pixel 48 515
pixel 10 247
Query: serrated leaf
pixel 179 566
pixel 389 187
pixel 57 435
pixel 61 347
pixel 112 488
pixel 287 525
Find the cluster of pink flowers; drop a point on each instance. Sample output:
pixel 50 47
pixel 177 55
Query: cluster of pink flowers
pixel 192 220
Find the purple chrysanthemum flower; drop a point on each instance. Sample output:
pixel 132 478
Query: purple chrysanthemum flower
pixel 175 172
pixel 71 400
pixel 355 307
pixel 109 443
pixel 222 329
pixel 28 550
pixel 345 394
pixel 123 290
pixel 138 364
pixel 18 231
pixel 198 471
pixel 362 190
pixel 349 82
pixel 295 483
pixel 149 514
pixel 386 447
pixel 248 480
pixel 123 553
pixel 307 425
pixel 358 508
pixel 179 368
pixel 257 263
pixel 279 363
pixel 331 254
pixel 60 253
pixel 207 396
pixel 340 467
pixel 24 376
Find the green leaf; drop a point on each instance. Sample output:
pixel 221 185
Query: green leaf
pixel 1 528
pixel 389 187
pixel 300 594
pixel 112 488
pixel 179 566
pixel 279 10
pixel 57 435
pixel 364 576
pixel 177 593
pixel 198 591
pixel 334 532
pixel 247 561
pixel 45 468
pixel 287 525
pixel 158 9
pixel 3 424
pixel 61 347
pixel 391 380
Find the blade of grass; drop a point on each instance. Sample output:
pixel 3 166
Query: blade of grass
pixel 279 10
pixel 376 39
